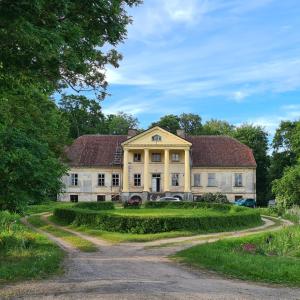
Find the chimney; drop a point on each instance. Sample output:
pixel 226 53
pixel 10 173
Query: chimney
pixel 181 133
pixel 132 132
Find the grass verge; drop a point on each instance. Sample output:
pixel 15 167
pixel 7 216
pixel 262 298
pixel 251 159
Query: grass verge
pixel 72 239
pixel 25 254
pixel 270 257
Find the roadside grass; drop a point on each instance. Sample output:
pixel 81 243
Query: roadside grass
pixel 74 240
pixel 46 207
pixel 25 254
pixel 272 257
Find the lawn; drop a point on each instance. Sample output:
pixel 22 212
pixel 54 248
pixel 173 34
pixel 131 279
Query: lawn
pixel 25 254
pixel 46 207
pixel 270 257
pixel 76 241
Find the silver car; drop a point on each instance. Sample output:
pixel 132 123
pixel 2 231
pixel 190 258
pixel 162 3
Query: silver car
pixel 173 199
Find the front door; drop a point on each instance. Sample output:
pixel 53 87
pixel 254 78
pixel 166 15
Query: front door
pixel 155 183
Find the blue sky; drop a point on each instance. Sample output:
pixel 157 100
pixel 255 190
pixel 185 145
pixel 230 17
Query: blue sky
pixel 234 60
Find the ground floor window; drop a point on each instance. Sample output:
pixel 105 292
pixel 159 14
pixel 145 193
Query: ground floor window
pixel 74 198
pixel 238 179
pixel 115 197
pixel 137 179
pixel 100 198
pixel 101 179
pixel 197 180
pixel 175 179
pixel 74 179
pixel 237 197
pixel 115 179
pixel 197 197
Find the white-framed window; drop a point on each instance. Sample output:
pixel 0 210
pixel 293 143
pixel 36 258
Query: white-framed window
pixel 74 179
pixel 137 179
pixel 115 179
pixel 238 179
pixel 175 157
pixel 156 157
pixel 101 179
pixel 156 138
pixel 175 179
pixel 137 157
pixel 211 179
pixel 197 179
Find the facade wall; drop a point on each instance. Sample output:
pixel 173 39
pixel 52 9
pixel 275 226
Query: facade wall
pixel 88 189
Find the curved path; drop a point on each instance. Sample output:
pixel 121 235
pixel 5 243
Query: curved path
pixel 142 271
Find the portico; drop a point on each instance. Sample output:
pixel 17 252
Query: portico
pixel 161 160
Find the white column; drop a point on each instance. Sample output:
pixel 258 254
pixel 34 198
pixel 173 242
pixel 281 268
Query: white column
pixel 187 171
pixel 166 171
pixel 146 170
pixel 125 171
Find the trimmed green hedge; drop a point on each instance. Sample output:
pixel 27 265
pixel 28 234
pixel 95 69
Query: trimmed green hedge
pixel 187 204
pixel 153 224
pixel 96 205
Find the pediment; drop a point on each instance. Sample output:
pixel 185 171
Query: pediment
pixel 156 137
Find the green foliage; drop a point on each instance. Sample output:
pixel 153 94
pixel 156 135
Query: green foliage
pixel 214 198
pixel 24 254
pixel 28 170
pixel 120 123
pixel 187 204
pixel 95 205
pixel 168 122
pixel 190 123
pixel 287 188
pixel 277 255
pixel 139 223
pixel 217 127
pixel 84 115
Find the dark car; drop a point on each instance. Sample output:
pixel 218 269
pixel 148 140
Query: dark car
pixel 249 202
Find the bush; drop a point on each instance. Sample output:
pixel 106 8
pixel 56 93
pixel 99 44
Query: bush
pixel 214 198
pixel 96 205
pixel 153 224
pixel 186 204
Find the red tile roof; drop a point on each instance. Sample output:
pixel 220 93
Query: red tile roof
pixel 206 151
pixel 220 151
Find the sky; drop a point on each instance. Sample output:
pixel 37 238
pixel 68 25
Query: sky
pixel 233 60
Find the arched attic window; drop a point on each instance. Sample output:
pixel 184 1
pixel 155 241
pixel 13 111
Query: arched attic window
pixel 156 138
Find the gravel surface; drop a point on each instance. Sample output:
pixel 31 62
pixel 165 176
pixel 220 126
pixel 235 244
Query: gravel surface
pixel 133 271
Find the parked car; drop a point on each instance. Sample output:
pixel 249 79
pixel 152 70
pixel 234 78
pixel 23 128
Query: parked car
pixel 249 202
pixel 272 203
pixel 174 199
pixel 134 201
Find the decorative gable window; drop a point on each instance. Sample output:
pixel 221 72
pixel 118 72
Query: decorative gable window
pixel 238 179
pixel 156 138
pixel 74 179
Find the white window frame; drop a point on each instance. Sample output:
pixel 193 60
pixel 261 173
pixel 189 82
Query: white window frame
pixel 156 154
pixel 137 157
pixel 101 179
pixel 175 179
pixel 212 180
pixel 74 179
pixel 175 157
pixel 115 179
pixel 137 179
pixel 156 138
pixel 197 182
pixel 238 179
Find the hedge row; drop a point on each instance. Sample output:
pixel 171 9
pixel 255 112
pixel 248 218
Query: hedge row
pixel 187 204
pixel 151 224
pixel 96 205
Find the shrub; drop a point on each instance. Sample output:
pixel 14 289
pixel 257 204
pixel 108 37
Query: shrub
pixel 153 224
pixel 96 205
pixel 186 204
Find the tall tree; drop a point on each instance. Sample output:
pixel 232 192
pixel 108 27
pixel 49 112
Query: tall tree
pixel 120 123
pixel 168 122
pixel 84 115
pixel 190 123
pixel 217 127
pixel 256 138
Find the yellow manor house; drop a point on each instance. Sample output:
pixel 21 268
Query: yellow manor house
pixel 157 163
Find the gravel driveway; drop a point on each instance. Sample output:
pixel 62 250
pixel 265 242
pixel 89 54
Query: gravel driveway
pixel 133 271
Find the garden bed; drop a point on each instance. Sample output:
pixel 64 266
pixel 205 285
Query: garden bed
pixel 156 220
